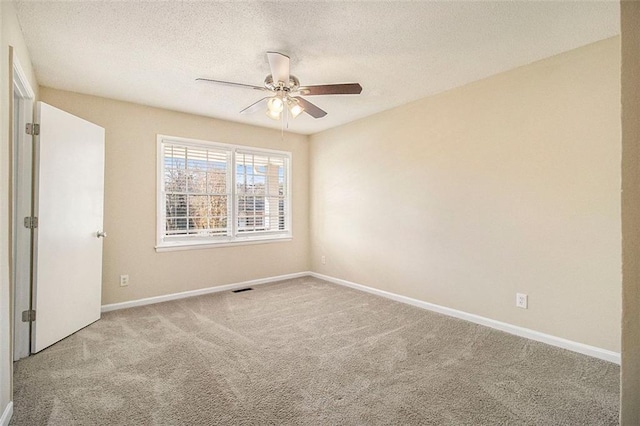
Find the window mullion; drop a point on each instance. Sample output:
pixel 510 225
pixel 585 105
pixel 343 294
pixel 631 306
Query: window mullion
pixel 187 188
pixel 233 210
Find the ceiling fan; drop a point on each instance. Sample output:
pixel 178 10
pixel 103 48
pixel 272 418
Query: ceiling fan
pixel 285 91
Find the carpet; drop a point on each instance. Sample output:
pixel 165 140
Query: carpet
pixel 306 352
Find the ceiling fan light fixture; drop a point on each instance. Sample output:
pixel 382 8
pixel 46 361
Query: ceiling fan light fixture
pixel 275 105
pixel 274 115
pixel 294 107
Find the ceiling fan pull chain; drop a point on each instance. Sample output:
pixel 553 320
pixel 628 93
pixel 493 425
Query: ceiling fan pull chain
pixel 286 117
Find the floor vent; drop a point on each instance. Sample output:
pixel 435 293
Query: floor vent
pixel 240 290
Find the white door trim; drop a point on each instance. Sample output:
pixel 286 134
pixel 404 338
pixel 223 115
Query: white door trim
pixel 6 415
pixel 20 80
pixel 21 182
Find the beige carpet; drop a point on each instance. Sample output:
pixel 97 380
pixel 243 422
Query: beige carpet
pixel 306 352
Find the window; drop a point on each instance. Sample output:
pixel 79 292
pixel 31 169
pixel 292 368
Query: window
pixel 210 193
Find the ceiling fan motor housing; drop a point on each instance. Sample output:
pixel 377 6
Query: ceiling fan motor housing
pixel 293 85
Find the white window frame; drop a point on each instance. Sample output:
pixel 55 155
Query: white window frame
pixel 189 243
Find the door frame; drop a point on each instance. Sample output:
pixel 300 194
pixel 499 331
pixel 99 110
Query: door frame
pixel 21 199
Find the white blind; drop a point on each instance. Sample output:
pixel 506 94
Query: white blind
pixel 196 190
pixel 261 197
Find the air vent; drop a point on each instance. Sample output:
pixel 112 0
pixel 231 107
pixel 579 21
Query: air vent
pixel 240 290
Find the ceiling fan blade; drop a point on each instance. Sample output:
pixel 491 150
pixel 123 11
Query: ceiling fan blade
pixel 256 106
pixel 331 89
pixel 310 108
pixel 228 83
pixel 279 65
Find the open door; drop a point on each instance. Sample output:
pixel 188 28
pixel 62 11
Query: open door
pixel 67 243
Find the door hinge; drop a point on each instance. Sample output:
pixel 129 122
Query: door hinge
pixel 30 222
pixel 33 129
pixel 28 316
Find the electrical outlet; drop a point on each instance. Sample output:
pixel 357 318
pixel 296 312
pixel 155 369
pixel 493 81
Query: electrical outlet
pixel 323 259
pixel 124 280
pixel 521 300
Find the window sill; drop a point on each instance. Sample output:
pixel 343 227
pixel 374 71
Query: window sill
pixel 194 245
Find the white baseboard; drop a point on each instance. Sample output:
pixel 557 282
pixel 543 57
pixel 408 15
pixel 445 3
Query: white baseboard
pixel 6 415
pixel 184 294
pixel 593 351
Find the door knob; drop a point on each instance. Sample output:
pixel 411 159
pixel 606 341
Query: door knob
pixel 101 234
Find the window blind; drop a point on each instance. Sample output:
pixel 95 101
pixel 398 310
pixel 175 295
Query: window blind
pixel 196 191
pixel 260 192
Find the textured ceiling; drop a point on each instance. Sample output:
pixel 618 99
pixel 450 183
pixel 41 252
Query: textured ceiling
pixel 151 52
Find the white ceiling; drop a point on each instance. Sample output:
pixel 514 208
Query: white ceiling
pixel 151 52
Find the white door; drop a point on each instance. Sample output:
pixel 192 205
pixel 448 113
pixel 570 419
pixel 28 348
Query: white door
pixel 68 204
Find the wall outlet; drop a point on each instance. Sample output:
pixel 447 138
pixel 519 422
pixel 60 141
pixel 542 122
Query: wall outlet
pixel 323 259
pixel 522 300
pixel 124 280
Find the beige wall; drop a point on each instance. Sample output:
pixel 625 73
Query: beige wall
pixel 630 373
pixel 509 184
pixel 130 201
pixel 10 36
